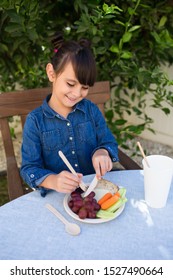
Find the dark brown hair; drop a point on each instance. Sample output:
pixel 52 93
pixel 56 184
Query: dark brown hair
pixel 79 54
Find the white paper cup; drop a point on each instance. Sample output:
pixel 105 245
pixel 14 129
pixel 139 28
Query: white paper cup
pixel 157 180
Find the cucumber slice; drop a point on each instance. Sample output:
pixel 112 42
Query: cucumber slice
pixel 122 192
pixel 103 214
pixel 117 205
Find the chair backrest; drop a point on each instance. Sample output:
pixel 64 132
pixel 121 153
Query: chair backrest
pixel 20 103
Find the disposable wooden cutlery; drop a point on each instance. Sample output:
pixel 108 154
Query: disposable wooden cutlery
pixel 71 228
pixel 65 160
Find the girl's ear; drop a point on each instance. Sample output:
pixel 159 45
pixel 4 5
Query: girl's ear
pixel 50 72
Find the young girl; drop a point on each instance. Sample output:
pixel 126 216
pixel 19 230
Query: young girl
pixel 68 122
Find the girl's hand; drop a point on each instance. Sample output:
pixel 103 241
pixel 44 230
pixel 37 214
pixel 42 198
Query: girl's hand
pixel 102 162
pixel 64 182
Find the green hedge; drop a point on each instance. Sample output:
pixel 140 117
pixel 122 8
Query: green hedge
pixel 130 41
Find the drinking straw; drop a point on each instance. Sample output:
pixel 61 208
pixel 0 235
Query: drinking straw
pixel 143 154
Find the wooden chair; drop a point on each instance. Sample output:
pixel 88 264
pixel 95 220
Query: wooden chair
pixel 20 103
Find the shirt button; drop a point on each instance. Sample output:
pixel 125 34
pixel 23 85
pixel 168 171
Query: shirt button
pixel 73 152
pixel 68 124
pixel 32 176
pixel 71 138
pixel 76 165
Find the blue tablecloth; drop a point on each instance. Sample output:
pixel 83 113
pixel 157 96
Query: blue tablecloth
pixel 29 231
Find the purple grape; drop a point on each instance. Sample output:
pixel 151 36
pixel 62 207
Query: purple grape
pixel 75 209
pixel 84 207
pixel 97 206
pixel 78 203
pixel 77 198
pixel 89 206
pixel 88 199
pixel 75 194
pixel 91 215
pixel 82 213
pixel 92 194
pixel 70 203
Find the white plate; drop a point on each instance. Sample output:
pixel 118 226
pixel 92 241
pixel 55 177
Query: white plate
pixel 99 193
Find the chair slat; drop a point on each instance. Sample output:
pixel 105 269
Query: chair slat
pixel 15 188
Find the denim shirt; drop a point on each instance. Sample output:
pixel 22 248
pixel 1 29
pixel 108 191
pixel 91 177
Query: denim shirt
pixel 78 136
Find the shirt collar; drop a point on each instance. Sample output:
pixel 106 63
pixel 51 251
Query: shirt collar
pixel 50 113
pixel 80 106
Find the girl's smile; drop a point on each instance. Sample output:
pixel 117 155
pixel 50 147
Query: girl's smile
pixel 66 90
pixel 71 98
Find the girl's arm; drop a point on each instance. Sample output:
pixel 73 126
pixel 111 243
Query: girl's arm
pixel 107 148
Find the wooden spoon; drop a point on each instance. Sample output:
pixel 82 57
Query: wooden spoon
pixel 71 228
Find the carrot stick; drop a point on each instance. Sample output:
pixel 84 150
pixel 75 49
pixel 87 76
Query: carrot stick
pixel 109 202
pixel 118 194
pixel 104 198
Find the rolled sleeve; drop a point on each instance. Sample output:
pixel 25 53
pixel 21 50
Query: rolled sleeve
pixel 113 153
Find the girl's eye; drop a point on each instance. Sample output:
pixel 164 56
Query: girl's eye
pixel 85 88
pixel 70 85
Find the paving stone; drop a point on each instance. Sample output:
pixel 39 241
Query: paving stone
pixel 149 147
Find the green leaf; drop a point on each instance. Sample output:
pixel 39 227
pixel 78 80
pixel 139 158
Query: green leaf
pixel 163 20
pixel 166 111
pixel 133 28
pixel 101 50
pixel 111 9
pixel 136 110
pixel 127 37
pixel 12 27
pixel 109 114
pixel 109 16
pixel 156 36
pixel 152 130
pixel 3 47
pixel 120 122
pixel 12 132
pixel 131 11
pixel 32 34
pixel 119 22
pixel 120 43
pixel 126 55
pixel 114 49
pixel 15 18
pixel 82 29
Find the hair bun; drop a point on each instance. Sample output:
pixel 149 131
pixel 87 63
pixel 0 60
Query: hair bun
pixel 84 43
pixel 57 40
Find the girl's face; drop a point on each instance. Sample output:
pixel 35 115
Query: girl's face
pixel 66 89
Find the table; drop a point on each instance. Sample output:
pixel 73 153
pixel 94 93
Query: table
pixel 28 231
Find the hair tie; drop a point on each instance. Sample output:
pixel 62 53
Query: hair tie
pixel 55 50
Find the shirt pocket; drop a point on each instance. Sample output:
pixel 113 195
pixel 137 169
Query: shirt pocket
pixel 52 140
pixel 86 132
